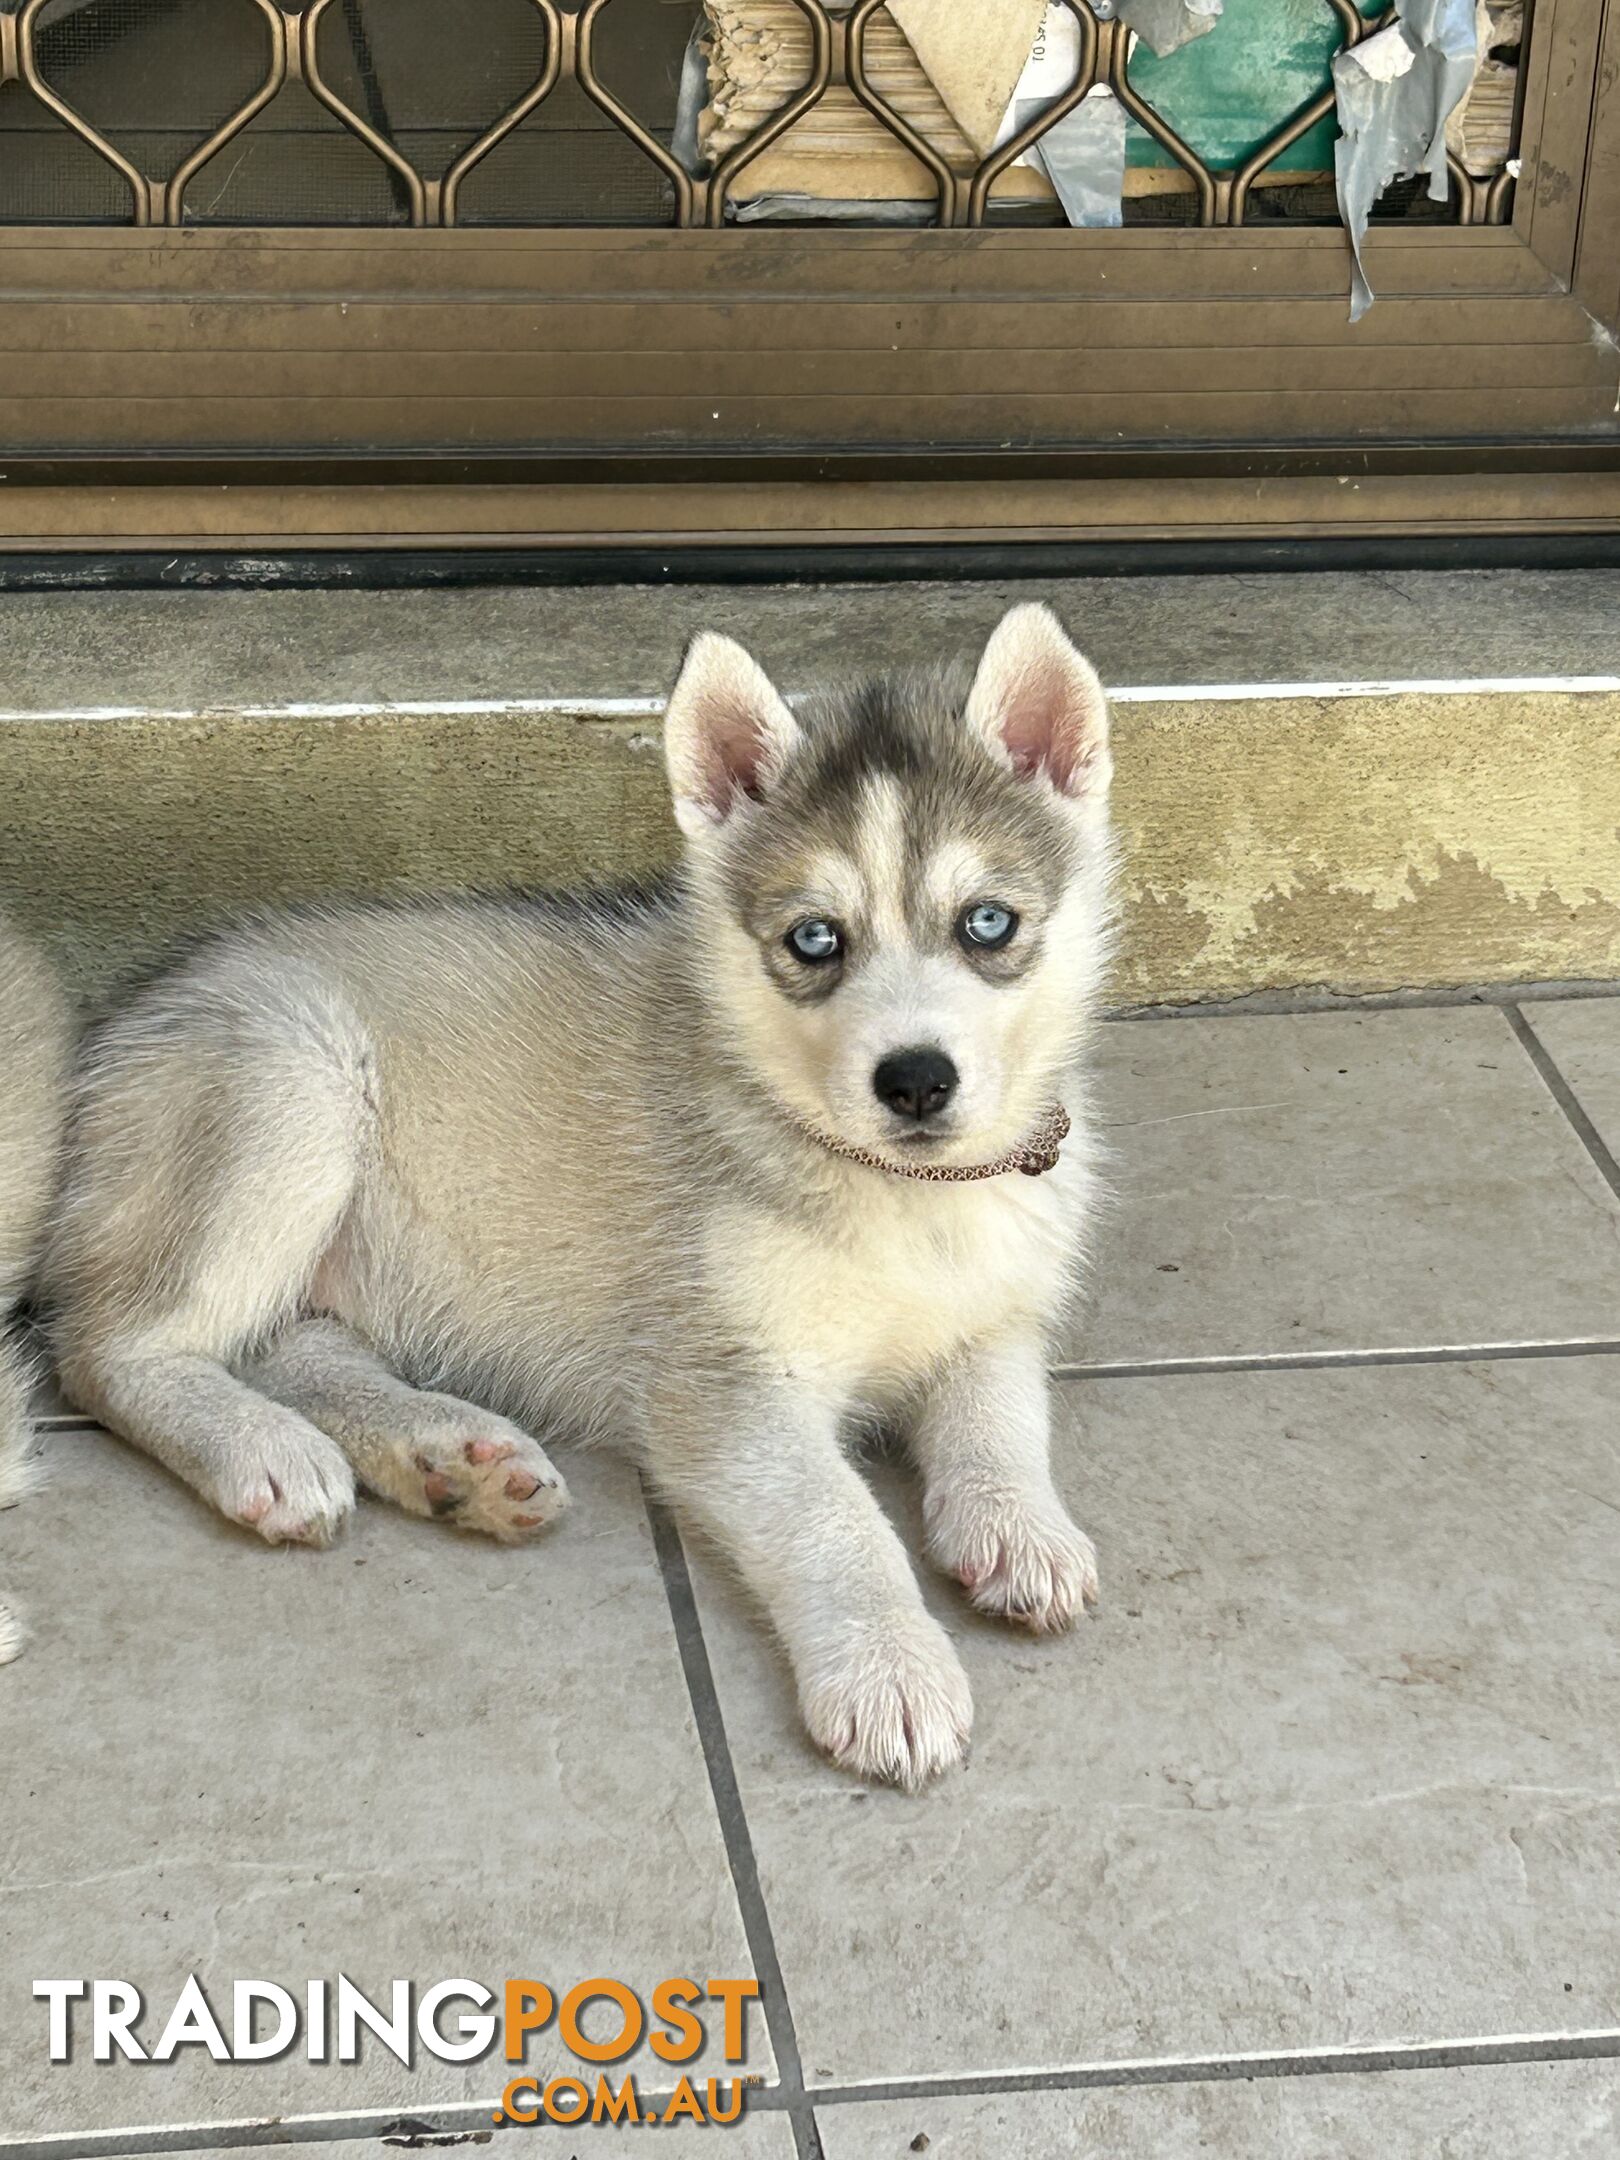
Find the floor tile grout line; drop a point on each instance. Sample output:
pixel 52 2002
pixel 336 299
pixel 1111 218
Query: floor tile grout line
pixel 74 1421
pixel 448 2123
pixel 1372 2060
pixel 1308 1003
pixel 1262 1361
pixel 734 1830
pixel 452 2119
pixel 1565 1097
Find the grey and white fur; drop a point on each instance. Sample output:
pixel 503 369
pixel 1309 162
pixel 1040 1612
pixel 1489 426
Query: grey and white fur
pixel 35 1040
pixel 347 1176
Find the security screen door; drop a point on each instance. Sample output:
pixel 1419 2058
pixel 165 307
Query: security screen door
pixel 474 273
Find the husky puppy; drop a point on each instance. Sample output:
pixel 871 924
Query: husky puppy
pixel 714 1170
pixel 34 1050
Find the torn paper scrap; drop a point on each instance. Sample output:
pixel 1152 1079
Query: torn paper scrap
pixel 989 65
pixel 1083 155
pixel 1167 25
pixel 758 55
pixel 1395 92
pixel 1385 57
pixel 1480 131
pixel 972 55
pixel 1053 63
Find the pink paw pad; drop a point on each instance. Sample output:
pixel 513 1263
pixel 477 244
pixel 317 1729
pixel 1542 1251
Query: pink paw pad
pixel 438 1490
pixel 484 1451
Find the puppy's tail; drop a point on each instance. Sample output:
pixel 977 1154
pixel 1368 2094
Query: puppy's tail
pixel 36 1038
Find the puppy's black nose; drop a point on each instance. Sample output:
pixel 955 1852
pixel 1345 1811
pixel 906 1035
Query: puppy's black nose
pixel 915 1083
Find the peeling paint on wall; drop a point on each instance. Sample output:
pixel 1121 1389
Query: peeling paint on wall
pixel 1370 843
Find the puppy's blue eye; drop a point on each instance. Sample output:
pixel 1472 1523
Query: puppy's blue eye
pixel 987 926
pixel 814 941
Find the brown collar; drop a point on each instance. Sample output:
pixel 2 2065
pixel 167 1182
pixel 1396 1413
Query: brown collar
pixel 1038 1153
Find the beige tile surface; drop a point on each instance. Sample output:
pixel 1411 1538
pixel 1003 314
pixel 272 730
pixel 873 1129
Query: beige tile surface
pixel 1341 1181
pixel 1583 1037
pixel 1337 1765
pixel 1534 2111
pixel 416 1756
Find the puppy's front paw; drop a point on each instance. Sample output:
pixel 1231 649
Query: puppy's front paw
pixel 1018 1559
pixel 289 1483
pixel 894 1706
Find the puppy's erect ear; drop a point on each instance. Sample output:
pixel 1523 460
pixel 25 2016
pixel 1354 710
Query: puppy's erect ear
pixel 727 733
pixel 1040 706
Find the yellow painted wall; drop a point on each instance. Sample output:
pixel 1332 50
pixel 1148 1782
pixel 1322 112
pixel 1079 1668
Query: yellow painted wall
pixel 1365 843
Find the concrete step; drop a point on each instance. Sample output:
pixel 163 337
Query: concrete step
pixel 1361 782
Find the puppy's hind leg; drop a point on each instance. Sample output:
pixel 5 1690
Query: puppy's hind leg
pixel 431 1454
pixel 222 1129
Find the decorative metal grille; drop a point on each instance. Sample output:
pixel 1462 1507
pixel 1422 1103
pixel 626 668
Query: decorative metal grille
pixel 286 61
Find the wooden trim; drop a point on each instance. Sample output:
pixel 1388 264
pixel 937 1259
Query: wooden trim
pixel 1597 262
pixel 760 263
pixel 230 343
pixel 1082 465
pixel 850 513
pixel 1496 311
pixel 313 423
pixel 1555 135
pixel 548 393
pixel 253 261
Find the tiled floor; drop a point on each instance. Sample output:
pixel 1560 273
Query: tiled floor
pixel 1309 1846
